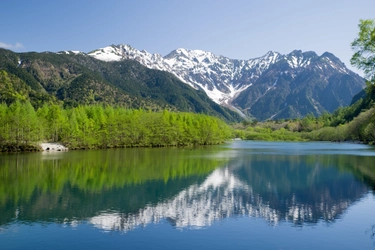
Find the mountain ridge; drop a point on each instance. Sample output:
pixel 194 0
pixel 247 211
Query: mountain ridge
pixel 226 80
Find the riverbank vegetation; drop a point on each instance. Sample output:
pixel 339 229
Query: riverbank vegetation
pixel 328 127
pixel 84 127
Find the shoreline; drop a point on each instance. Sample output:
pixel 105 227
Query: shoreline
pixel 58 147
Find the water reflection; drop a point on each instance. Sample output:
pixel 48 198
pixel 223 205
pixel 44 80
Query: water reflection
pixel 200 205
pixel 224 195
pixel 371 231
pixel 125 189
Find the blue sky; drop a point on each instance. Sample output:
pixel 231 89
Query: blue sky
pixel 238 29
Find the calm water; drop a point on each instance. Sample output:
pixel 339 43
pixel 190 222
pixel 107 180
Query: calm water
pixel 241 195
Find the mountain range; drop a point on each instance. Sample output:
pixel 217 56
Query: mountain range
pixel 273 86
pixel 269 87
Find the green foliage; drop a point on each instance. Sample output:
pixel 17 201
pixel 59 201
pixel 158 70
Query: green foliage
pixel 361 128
pixel 364 47
pixel 106 127
pixel 267 132
pixel 327 134
pixel 13 88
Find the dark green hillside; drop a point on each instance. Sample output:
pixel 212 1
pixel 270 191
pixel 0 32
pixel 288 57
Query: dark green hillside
pixel 164 88
pixel 161 87
pixel 362 102
pixel 78 79
pixel 12 89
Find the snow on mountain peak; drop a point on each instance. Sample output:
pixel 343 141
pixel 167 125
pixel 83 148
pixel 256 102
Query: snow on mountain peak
pixel 110 53
pixel 70 52
pixel 220 77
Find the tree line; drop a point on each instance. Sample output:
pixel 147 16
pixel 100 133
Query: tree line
pixel 22 127
pixel 327 127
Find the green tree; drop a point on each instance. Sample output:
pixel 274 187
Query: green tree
pixel 29 123
pixel 73 134
pixel 13 115
pixel 100 123
pixel 86 126
pixel 4 124
pixel 364 47
pixel 308 123
pixel 56 120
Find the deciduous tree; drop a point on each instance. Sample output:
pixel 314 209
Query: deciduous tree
pixel 364 47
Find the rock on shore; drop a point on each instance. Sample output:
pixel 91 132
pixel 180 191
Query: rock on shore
pixel 47 146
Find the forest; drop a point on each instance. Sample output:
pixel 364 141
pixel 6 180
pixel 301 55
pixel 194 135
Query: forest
pixel 22 127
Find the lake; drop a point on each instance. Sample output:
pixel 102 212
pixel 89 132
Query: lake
pixel 240 195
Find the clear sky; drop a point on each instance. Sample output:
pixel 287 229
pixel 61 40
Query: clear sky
pixel 238 29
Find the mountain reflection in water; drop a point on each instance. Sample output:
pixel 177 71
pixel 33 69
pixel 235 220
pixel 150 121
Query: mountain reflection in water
pixel 224 195
pixel 125 189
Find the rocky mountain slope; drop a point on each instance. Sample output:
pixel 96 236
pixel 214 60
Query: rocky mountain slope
pixel 269 87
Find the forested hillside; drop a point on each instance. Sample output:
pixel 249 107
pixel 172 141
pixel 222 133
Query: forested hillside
pixel 72 79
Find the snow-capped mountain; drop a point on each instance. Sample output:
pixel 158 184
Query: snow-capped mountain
pixel 241 84
pixel 220 77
